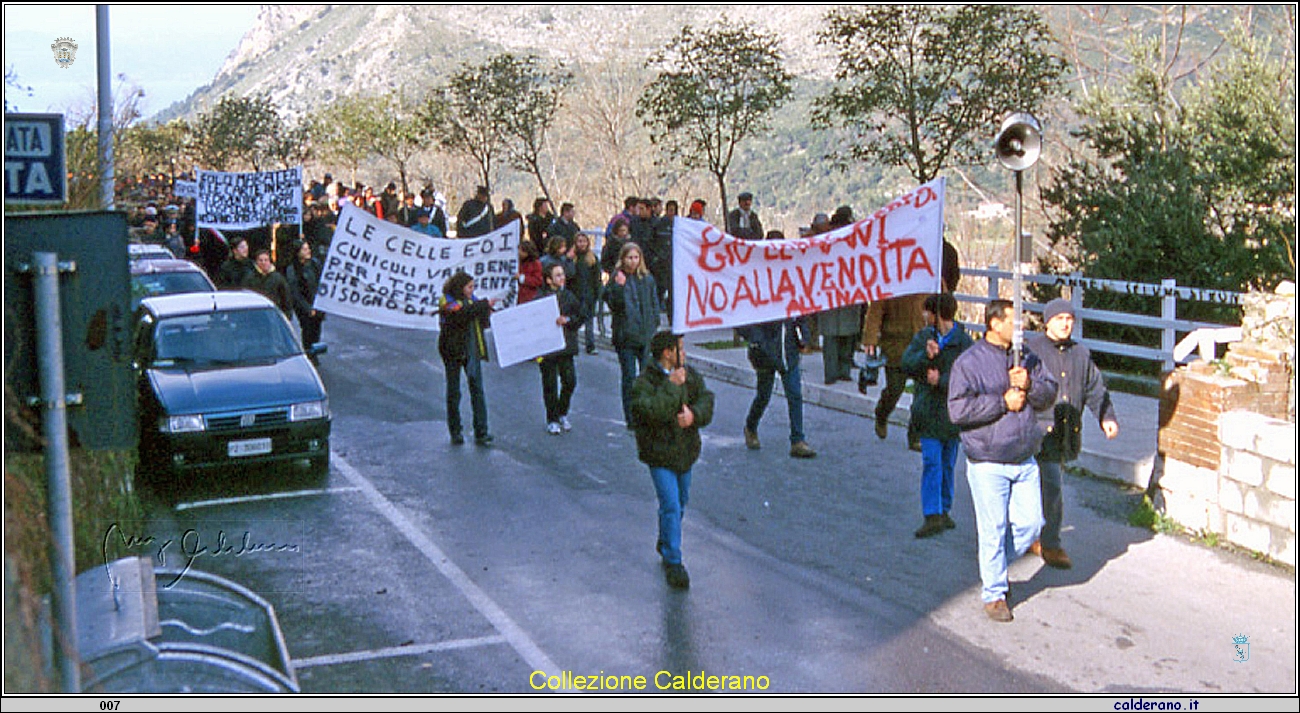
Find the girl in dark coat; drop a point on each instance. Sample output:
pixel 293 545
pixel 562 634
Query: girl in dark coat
pixel 463 347
pixel 304 277
pixel 586 285
pixel 633 303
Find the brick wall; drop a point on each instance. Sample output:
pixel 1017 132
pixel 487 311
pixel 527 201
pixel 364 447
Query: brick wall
pixel 1227 436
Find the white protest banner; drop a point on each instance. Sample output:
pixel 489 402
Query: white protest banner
pixel 382 273
pixel 723 281
pixel 527 331
pixel 185 189
pixel 238 201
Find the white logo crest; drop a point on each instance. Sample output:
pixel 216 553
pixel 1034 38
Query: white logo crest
pixel 65 52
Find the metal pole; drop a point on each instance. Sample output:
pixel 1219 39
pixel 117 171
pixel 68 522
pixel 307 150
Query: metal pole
pixel 49 337
pixel 1018 321
pixel 102 57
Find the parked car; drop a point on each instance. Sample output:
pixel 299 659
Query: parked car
pixel 148 251
pixel 223 381
pixel 151 278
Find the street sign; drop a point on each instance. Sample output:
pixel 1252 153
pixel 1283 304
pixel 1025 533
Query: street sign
pixel 35 164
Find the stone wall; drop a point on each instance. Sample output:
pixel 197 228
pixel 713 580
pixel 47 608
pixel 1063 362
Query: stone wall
pixel 1227 435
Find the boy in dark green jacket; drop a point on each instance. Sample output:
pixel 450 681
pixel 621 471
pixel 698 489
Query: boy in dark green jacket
pixel 928 361
pixel 670 405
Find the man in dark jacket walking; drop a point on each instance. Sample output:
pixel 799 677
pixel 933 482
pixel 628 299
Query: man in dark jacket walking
pixel 993 400
pixel 670 404
pixel 1079 383
pixel 774 349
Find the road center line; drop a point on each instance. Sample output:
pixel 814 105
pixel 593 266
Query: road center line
pixel 396 651
pixel 512 633
pixel 255 498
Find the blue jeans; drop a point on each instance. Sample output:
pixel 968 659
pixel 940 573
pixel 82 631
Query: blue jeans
pixel 1008 517
pixel 1049 474
pixel 478 402
pixel 673 490
pixel 631 361
pixel 938 461
pixel 793 385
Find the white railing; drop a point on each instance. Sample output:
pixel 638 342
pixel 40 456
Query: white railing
pixel 1168 323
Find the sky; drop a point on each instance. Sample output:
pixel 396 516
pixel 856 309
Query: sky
pixel 167 50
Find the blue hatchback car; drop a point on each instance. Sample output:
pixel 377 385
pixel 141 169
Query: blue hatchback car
pixel 223 381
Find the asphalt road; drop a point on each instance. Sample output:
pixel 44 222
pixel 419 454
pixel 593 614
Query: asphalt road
pixel 424 567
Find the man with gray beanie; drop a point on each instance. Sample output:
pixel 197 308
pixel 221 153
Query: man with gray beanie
pixel 1079 383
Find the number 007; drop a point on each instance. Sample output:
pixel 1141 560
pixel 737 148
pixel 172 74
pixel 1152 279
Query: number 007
pixel 109 705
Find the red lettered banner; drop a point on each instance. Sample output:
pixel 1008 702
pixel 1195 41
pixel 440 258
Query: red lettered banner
pixel 723 281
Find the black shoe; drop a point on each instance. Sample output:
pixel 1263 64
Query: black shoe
pixel 457 439
pixel 677 577
pixel 484 440
pixel 882 429
pixel 948 524
pixel 933 526
pixel 591 350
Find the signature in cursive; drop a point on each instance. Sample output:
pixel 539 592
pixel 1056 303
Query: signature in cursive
pixel 188 548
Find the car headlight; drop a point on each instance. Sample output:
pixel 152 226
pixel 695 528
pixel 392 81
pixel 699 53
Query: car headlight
pixel 308 410
pixel 183 424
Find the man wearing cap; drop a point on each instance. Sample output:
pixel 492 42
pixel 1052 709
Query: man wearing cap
pixel 1079 383
pixel 475 217
pixel 743 222
pixel 696 211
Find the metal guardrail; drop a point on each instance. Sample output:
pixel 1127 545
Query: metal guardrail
pixel 1168 323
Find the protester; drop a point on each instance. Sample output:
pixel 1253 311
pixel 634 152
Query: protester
pixel 559 378
pixel 264 280
pixel 539 224
pixel 557 254
pixel 531 280
pixel 634 315
pixel 236 267
pixel 928 360
pixel 743 222
pixel 887 330
pixel 670 404
pixel 992 400
pixel 463 347
pixel 611 253
pixel 303 276
pixel 586 285
pixel 774 349
pixel 475 217
pixel 841 327
pixel 1079 384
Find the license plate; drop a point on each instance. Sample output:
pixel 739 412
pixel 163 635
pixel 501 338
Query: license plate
pixel 253 447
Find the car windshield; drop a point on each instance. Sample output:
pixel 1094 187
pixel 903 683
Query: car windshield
pixel 167 283
pixel 223 338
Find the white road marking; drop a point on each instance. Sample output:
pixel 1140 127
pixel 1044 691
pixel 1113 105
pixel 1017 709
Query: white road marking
pixel 512 633
pixel 396 651
pixel 255 498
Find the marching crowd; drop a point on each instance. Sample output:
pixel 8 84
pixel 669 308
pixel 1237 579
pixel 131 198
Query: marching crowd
pixel 1017 414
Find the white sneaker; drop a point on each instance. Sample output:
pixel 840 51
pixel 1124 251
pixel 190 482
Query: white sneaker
pixel 553 428
pixel 564 423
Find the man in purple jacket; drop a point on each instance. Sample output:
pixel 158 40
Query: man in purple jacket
pixel 994 402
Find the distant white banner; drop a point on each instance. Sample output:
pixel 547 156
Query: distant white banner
pixel 527 331
pixel 723 281
pixel 238 201
pixel 185 189
pixel 382 273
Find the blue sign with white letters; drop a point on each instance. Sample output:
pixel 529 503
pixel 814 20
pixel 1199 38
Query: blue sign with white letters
pixel 35 165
